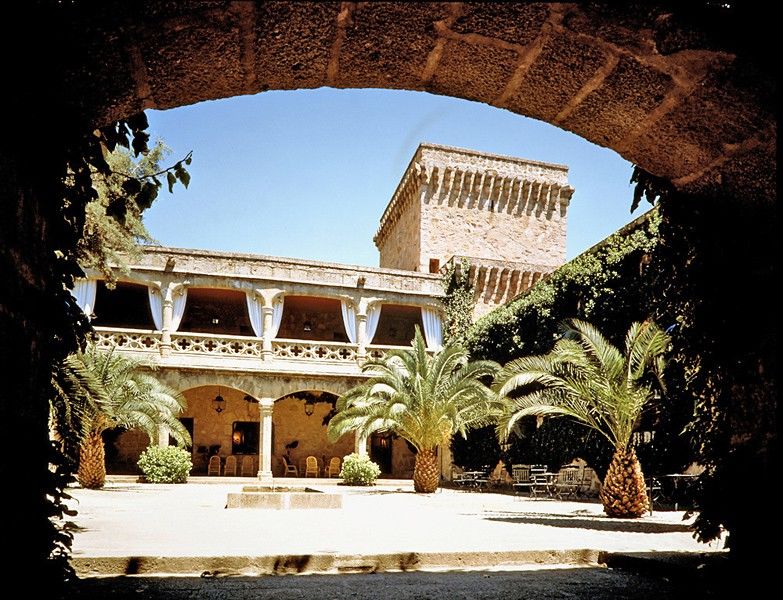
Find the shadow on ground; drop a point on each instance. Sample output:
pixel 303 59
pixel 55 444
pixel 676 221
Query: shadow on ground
pixel 596 583
pixel 596 523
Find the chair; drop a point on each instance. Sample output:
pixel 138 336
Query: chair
pixel 248 466
pixel 521 476
pixel 587 481
pixel 539 480
pixel 311 466
pixel 230 468
pixel 334 467
pixel 288 468
pixel 567 483
pixel 213 468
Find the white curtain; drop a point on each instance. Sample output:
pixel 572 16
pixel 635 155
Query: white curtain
pixel 256 315
pixel 277 317
pixel 156 307
pixel 178 307
pixel 433 330
pixel 373 316
pixel 349 320
pixel 84 292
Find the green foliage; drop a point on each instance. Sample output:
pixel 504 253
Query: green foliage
pixel 612 284
pixel 98 390
pixel 59 183
pixel 607 285
pixel 358 469
pixel 477 450
pixel 587 379
pixel 113 227
pixel 165 464
pixel 459 302
pixel 423 399
pixel 724 350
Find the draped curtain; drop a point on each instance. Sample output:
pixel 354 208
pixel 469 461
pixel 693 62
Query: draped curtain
pixel 433 329
pixel 277 317
pixel 349 320
pixel 177 307
pixel 156 307
pixel 84 291
pixel 255 313
pixel 373 316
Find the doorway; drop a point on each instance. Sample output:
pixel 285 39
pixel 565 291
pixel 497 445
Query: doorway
pixel 381 451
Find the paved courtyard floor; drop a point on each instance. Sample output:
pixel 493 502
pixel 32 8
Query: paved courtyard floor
pixel 124 526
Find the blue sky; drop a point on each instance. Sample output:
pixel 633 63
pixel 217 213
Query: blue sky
pixel 307 174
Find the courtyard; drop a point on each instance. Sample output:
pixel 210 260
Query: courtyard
pixel 132 528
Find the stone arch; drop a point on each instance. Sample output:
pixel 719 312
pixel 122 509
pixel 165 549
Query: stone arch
pixel 642 82
pixel 185 379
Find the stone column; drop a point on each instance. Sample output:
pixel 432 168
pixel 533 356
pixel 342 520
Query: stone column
pixel 167 291
pixel 360 445
pixel 266 407
pixel 361 326
pixel 361 335
pixel 269 296
pixel 267 353
pixel 163 436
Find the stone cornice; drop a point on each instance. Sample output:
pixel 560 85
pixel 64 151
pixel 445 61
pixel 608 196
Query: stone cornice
pixel 235 270
pixel 442 168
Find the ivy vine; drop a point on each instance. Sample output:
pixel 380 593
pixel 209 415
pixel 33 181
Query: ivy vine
pixel 459 301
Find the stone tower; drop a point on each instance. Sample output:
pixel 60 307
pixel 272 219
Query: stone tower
pixel 506 215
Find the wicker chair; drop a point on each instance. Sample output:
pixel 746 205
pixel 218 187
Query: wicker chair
pixel 213 468
pixel 334 467
pixel 311 466
pixel 230 468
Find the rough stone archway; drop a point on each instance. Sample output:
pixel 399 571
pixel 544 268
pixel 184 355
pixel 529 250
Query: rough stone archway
pixel 687 94
pixel 678 101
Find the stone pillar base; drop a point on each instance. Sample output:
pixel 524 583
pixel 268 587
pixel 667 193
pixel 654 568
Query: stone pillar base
pixel 265 476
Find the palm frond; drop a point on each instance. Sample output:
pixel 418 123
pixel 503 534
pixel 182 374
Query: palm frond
pixel 423 398
pixel 584 378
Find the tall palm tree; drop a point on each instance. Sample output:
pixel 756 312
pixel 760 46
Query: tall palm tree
pixel 100 390
pixel 588 379
pixel 424 399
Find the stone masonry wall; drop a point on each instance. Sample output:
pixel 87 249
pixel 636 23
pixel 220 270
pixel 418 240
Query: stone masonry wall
pixel 458 202
pixel 491 207
pixel 401 248
pixel 290 423
pixel 533 236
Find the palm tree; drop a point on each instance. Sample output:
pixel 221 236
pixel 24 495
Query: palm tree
pixel 588 379
pixel 100 390
pixel 424 399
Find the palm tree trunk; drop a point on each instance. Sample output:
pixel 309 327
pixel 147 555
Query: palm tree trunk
pixel 624 493
pixel 426 475
pixel 92 462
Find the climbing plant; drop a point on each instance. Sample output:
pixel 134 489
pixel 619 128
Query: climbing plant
pixel 459 301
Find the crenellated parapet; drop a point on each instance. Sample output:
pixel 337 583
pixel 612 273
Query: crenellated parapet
pixel 494 209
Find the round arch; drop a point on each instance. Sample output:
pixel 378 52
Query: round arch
pixel 673 92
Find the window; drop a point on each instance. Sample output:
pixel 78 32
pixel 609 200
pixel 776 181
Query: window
pixel 245 436
pixel 434 265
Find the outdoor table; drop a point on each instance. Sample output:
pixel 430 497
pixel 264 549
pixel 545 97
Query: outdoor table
pixel 473 479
